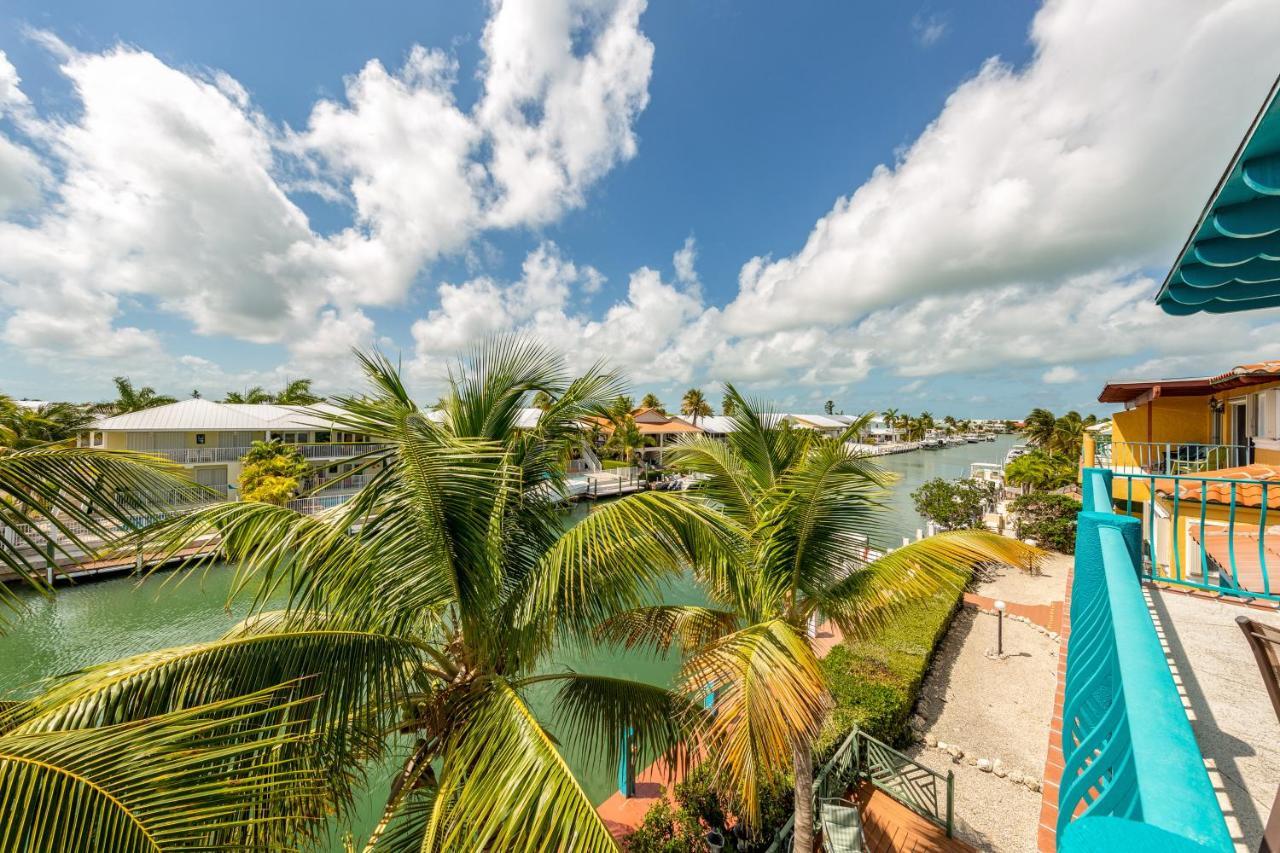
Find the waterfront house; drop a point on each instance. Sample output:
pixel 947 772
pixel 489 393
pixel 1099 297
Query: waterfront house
pixel 1173 539
pixel 209 440
pixel 659 430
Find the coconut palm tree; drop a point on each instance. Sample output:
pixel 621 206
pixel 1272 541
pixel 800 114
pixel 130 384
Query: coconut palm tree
pixel 256 394
pixel 22 427
pixel 726 406
pixel 297 392
pixel 1040 471
pixel 130 399
pixel 418 618
pixel 695 405
pixel 1068 435
pixel 625 439
pixel 782 513
pixel 1039 427
pixel 651 401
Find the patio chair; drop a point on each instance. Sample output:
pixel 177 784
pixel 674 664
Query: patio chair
pixel 1264 640
pixel 841 826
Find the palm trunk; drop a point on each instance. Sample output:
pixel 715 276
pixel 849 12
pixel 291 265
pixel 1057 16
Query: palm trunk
pixel 802 840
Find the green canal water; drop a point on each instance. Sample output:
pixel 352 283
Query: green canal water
pixel 98 621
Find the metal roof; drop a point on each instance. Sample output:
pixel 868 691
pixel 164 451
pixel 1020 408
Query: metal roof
pixel 201 414
pixel 1231 260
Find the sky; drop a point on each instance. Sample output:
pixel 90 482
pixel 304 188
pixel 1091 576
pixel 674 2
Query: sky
pixel 960 207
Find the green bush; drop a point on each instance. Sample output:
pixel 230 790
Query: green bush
pixel 665 830
pixel 954 504
pixel 875 680
pixel 1049 519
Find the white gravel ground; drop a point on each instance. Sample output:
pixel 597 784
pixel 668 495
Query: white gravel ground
pixel 994 709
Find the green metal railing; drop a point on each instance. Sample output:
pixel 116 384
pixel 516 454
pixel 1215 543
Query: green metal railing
pixel 1133 777
pixel 862 757
pixel 1211 533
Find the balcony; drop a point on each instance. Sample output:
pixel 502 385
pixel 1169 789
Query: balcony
pixel 1134 777
pixel 1168 457
pixel 203 455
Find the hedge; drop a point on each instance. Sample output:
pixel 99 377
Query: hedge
pixel 875 680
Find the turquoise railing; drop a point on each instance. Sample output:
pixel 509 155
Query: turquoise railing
pixel 1133 776
pixel 1213 533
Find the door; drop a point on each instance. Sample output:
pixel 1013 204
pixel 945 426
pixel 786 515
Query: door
pixel 1239 434
pixel 213 477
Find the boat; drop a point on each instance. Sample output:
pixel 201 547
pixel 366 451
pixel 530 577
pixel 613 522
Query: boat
pixel 1016 451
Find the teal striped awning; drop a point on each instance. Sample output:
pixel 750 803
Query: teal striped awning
pixel 1231 261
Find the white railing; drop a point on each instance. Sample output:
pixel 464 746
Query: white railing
pixel 198 455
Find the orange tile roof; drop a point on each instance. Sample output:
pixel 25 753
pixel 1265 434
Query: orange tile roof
pixel 1248 493
pixel 1261 368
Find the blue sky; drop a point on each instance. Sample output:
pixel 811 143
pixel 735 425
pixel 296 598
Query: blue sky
pixel 959 207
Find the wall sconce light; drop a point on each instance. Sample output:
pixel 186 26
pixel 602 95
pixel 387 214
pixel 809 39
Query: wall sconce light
pixel 1216 406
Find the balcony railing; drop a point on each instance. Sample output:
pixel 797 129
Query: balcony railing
pixel 1168 457
pixel 198 455
pixel 1133 777
pixel 1221 534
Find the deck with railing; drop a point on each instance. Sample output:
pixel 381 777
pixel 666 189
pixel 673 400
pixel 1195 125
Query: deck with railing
pixel 1169 457
pixel 200 455
pixel 1134 776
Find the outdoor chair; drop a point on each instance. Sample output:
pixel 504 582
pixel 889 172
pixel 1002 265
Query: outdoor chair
pixel 1264 640
pixel 841 826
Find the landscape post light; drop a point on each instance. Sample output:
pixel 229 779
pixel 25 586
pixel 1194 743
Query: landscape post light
pixel 1000 628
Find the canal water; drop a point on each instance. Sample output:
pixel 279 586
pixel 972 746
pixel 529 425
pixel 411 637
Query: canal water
pixel 100 621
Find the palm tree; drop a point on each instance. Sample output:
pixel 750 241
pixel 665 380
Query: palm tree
pixel 776 546
pixel 425 607
pixel 130 399
pixel 890 417
pixel 297 392
pixel 1068 435
pixel 695 405
pixel 542 400
pixel 651 401
pixel 256 394
pixel 1040 471
pixel 926 418
pixel 1039 427
pixel 22 427
pixel 726 406
pixel 625 439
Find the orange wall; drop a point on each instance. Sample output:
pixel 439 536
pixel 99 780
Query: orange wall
pixel 1180 419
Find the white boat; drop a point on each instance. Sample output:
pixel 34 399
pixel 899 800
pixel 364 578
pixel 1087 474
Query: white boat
pixel 1016 451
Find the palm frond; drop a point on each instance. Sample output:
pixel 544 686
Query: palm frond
pixel 218 776
pixel 770 699
pixel 66 502
pixel 619 557
pixel 655 630
pixel 594 711
pixel 868 597
pixel 504 786
pixel 357 679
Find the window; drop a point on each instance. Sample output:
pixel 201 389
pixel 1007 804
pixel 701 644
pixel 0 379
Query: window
pixel 324 438
pixel 199 438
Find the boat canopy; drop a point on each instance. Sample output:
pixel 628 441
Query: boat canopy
pixel 1231 261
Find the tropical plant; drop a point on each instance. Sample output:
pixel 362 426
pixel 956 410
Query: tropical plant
pixel 1049 519
pixel 542 401
pixel 272 473
pixel 256 394
pixel 425 607
pixel 726 406
pixel 1039 427
pixel 130 399
pixel 297 392
pixel 829 407
pixel 625 439
pixel 695 405
pixel 1041 471
pixel 63 502
pixel 651 401
pixel 781 514
pixel 22 427
pixel 954 504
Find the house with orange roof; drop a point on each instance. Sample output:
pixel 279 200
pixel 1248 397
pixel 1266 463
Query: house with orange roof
pixel 658 429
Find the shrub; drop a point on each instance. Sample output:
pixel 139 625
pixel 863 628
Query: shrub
pixel 272 473
pixel 954 504
pixel 665 830
pixel 1049 519
pixel 875 680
